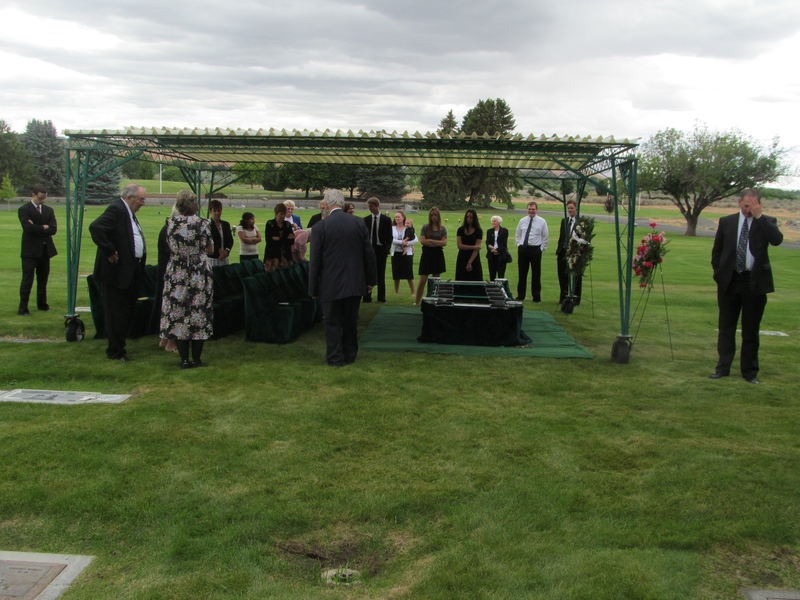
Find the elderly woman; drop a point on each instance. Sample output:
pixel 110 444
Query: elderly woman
pixel 497 249
pixel 220 234
pixel 187 309
pixel 292 218
pixel 280 239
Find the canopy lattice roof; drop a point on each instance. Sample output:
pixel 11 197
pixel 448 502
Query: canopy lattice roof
pixel 224 147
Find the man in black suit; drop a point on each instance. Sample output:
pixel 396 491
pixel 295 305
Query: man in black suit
pixel 744 278
pixel 119 264
pixel 38 228
pixel 323 211
pixel 341 271
pixel 380 236
pixel 564 236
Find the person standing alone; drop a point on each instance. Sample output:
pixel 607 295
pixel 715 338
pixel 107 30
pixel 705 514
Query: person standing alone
pixel 342 270
pixel 744 278
pixel 38 228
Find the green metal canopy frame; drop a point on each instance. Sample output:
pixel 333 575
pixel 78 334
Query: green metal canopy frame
pixel 210 154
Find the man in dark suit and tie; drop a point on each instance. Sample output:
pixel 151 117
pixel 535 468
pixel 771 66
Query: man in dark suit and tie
pixel 380 236
pixel 38 228
pixel 743 274
pixel 119 264
pixel 564 236
pixel 342 270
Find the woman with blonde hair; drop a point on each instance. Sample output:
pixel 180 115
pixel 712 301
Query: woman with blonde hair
pixel 402 252
pixel 187 309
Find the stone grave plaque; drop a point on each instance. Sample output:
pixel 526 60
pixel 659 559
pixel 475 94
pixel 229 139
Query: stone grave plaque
pixel 56 397
pixel 21 580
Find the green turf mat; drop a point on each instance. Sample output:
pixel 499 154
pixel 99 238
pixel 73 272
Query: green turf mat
pixel 395 329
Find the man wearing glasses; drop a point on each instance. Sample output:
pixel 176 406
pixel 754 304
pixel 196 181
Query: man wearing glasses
pixel 38 228
pixel 119 264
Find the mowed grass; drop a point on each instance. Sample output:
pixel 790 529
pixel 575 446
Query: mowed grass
pixel 435 476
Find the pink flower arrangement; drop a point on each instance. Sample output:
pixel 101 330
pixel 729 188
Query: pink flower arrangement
pixel 649 254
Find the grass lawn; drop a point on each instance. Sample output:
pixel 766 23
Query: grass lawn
pixel 435 476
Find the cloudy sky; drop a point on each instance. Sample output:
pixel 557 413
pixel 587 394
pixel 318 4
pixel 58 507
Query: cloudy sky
pixel 626 68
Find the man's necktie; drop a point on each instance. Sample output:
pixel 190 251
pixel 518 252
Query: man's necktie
pixel 39 208
pixel 528 232
pixel 374 233
pixel 741 248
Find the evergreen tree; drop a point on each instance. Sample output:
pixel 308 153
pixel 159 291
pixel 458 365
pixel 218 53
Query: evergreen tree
pixel 105 188
pixel 14 159
pixel 47 151
pixel 443 187
pixel 7 189
pixel 492 117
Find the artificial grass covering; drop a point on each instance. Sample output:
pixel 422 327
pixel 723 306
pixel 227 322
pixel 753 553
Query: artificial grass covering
pixel 395 329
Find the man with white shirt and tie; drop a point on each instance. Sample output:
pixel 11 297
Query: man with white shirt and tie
pixel 119 264
pixel 564 237
pixel 531 240
pixel 740 260
pixel 38 228
pixel 380 236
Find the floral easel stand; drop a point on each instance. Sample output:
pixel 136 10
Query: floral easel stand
pixel 649 257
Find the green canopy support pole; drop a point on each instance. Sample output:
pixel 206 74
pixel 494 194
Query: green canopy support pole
pixel 621 348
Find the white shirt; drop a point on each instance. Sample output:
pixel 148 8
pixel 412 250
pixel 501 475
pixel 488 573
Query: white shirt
pixel 538 235
pixel 138 235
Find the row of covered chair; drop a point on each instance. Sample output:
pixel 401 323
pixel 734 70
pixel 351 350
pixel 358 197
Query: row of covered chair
pixel 277 306
pixel 271 306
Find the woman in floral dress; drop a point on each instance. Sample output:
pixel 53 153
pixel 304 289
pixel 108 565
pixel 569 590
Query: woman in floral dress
pixel 187 309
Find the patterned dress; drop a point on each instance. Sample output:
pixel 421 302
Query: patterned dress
pixel 187 310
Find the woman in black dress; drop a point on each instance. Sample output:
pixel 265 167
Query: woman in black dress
pixel 468 239
pixel 497 249
pixel 433 238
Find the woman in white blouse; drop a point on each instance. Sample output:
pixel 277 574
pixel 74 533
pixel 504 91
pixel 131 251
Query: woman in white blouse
pixel 403 240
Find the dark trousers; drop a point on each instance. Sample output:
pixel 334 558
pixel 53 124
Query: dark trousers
pixel 497 265
pixel 341 330
pixel 563 280
pixel 530 257
pixel 380 266
pixel 118 305
pixel 40 268
pixel 736 300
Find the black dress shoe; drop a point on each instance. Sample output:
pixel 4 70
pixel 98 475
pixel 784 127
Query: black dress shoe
pixel 24 312
pixel 198 363
pixel 44 308
pixel 185 364
pixel 519 299
pixel 537 300
pixel 753 380
pixel 717 375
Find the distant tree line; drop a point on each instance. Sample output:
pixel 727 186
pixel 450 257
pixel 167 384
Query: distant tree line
pixel 37 157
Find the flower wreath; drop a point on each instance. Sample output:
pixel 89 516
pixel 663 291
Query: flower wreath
pixel 580 250
pixel 649 254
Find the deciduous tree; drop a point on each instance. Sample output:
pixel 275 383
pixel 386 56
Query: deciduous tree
pixel 698 168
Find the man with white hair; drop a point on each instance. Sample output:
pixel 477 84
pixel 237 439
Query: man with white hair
pixel 342 270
